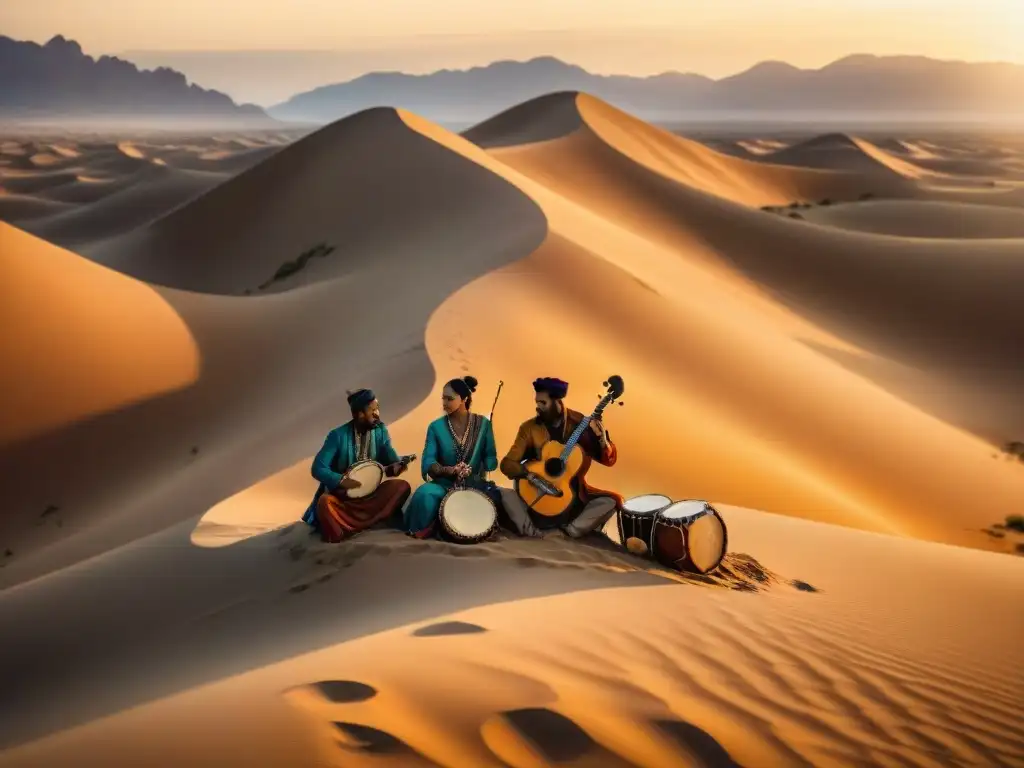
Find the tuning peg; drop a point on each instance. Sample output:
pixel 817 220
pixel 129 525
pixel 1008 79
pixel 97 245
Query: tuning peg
pixel 621 402
pixel 604 383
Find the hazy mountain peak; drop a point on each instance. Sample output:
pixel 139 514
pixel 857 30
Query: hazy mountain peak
pixel 58 78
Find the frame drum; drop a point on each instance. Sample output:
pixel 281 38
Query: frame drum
pixel 467 516
pixel 369 473
pixel 689 535
pixel 636 521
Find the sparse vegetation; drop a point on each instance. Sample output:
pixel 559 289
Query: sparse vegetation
pixel 289 268
pixel 1014 449
pixel 1015 523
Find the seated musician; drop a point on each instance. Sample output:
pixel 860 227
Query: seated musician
pixel 364 437
pixel 554 421
pixel 459 447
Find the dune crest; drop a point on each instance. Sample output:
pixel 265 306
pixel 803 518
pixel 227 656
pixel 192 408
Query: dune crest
pixel 80 339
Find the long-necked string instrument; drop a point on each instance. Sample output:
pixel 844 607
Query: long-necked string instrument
pixel 491 417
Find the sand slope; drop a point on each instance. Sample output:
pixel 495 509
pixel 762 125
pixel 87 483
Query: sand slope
pixel 842 377
pixel 919 218
pixel 761 674
pixel 275 368
pixel 80 340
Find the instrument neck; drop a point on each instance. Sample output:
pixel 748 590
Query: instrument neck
pixel 575 437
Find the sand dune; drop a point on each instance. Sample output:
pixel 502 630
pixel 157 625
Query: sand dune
pixel 921 218
pixel 87 340
pixel 854 379
pixel 144 177
pixel 626 673
pixel 304 388
pixel 837 151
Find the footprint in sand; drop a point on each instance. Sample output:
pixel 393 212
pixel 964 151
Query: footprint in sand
pixel 448 628
pixel 524 736
pixel 363 739
pixel 551 736
pixel 344 691
pixel 701 745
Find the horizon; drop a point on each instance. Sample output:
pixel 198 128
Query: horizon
pixel 268 53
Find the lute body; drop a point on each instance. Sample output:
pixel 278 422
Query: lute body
pixel 551 504
pixel 551 493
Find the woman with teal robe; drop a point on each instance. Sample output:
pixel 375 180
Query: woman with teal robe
pixel 459 446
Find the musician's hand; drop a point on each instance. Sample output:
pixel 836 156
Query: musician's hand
pixel 348 483
pixel 598 429
pixel 462 470
pixel 396 469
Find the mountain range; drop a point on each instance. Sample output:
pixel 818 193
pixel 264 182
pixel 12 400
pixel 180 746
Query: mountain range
pixel 59 80
pixel 894 85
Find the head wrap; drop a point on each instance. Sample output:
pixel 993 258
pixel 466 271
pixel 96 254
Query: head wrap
pixel 554 387
pixel 361 398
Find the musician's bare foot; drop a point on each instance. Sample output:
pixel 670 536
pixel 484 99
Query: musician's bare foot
pixel 534 533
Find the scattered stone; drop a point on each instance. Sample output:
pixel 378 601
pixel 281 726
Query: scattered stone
pixel 803 586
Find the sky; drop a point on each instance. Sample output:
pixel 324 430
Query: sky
pixel 266 50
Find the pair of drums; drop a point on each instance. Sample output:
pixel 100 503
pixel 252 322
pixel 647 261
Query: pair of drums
pixel 685 535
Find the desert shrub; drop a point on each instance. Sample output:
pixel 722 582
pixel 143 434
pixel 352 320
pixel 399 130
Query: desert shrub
pixel 289 268
pixel 1015 523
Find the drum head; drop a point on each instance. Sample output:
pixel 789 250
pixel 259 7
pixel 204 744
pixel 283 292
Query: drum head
pixel 684 509
pixel 469 513
pixel 369 473
pixel 706 540
pixel 647 504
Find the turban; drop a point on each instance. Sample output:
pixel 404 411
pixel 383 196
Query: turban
pixel 360 399
pixel 554 387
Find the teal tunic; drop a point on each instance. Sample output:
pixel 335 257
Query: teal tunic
pixel 339 453
pixel 425 504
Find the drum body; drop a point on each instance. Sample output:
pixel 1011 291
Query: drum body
pixel 369 473
pixel 690 536
pixel 467 516
pixel 636 521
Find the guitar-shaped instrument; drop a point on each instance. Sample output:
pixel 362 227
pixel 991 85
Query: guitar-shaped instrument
pixel 547 490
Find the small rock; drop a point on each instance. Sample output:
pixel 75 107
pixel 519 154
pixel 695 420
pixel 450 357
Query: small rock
pixel 803 586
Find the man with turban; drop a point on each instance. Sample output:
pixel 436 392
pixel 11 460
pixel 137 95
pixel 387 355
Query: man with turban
pixel 364 437
pixel 554 421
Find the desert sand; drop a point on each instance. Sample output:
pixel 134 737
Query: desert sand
pixel 840 382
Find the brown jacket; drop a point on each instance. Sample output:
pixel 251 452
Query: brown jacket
pixel 533 434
